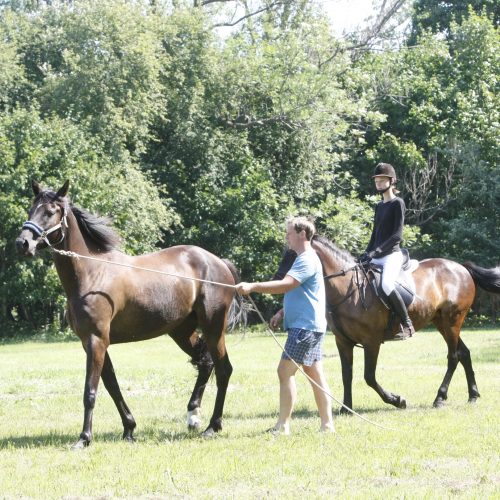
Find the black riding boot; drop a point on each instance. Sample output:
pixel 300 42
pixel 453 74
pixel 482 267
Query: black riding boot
pixel 399 308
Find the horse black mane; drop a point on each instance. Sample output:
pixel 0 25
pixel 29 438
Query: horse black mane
pixel 337 252
pixel 96 229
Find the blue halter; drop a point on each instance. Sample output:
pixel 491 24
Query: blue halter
pixel 43 233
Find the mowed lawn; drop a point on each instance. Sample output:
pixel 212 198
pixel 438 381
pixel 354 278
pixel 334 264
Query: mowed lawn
pixel 428 453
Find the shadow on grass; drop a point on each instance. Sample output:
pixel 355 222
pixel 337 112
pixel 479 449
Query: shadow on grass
pixel 154 435
pixel 66 441
pixel 304 413
pixel 49 440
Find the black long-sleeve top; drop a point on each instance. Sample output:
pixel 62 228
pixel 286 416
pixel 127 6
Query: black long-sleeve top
pixel 387 231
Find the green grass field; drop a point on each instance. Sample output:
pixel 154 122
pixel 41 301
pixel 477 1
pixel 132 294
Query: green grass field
pixel 430 453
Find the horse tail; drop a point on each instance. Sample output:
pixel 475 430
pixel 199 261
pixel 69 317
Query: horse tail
pixel 232 268
pixel 239 309
pixel 487 279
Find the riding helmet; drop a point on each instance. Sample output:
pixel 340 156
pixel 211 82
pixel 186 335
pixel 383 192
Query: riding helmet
pixel 386 170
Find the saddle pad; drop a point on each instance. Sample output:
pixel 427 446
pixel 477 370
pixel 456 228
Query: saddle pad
pixel 405 284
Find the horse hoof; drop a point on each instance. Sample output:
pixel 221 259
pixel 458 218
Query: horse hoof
pixel 439 403
pixel 344 411
pixel 401 403
pixel 208 434
pixel 80 444
pixel 473 400
pixel 193 420
pixel 128 435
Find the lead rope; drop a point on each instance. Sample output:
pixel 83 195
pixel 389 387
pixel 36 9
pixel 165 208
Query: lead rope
pixel 309 378
pixel 130 266
pixel 88 257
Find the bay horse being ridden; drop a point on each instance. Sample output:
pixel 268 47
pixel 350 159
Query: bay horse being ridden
pixel 111 304
pixel 445 291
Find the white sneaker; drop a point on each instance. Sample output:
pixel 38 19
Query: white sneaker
pixel 279 430
pixel 330 428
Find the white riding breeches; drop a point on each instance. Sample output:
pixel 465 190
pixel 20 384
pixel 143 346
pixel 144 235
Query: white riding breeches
pixel 391 268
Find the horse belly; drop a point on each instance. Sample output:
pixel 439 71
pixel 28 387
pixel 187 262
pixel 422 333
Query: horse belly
pixel 141 323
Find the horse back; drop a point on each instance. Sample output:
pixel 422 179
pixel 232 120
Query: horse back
pixel 442 284
pixel 152 294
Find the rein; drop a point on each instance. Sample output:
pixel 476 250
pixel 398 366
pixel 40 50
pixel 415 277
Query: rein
pixel 340 273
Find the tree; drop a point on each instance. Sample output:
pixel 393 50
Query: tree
pixel 96 64
pixel 51 151
pixel 438 16
pixel 441 102
pixel 262 111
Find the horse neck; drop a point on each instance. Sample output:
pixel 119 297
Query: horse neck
pixel 332 265
pixel 72 271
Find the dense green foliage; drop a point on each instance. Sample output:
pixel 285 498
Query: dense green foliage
pixel 443 113
pixel 438 16
pixel 184 136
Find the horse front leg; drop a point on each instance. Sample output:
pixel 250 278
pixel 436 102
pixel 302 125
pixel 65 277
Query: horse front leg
pixel 111 383
pixel 95 348
pixel 371 356
pixel 345 349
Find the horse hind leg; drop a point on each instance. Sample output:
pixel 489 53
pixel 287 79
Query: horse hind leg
pixel 451 334
pixel 202 360
pixel 223 371
pixel 465 359
pixel 214 335
pixel 187 338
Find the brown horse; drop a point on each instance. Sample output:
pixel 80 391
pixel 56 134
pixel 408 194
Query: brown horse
pixel 445 291
pixel 111 304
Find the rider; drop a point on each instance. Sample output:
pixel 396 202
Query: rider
pixel 383 248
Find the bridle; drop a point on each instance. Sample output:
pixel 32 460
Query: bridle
pixel 44 233
pixel 359 287
pixel 340 273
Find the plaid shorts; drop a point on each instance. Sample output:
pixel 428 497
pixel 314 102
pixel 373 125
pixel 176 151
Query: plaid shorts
pixel 303 346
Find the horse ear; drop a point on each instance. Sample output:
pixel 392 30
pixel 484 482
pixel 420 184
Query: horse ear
pixel 36 187
pixel 63 191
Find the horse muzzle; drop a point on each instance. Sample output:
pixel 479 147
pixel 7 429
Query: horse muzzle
pixel 26 245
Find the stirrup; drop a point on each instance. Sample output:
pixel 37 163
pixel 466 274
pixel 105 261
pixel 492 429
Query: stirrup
pixel 399 335
pixel 405 332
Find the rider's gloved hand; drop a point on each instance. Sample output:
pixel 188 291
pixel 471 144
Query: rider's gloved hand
pixel 366 257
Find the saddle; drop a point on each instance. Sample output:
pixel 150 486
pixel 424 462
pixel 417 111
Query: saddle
pixel 405 284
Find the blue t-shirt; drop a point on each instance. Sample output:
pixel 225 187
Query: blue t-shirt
pixel 305 305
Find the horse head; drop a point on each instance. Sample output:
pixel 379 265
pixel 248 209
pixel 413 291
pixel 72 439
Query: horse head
pixel 47 218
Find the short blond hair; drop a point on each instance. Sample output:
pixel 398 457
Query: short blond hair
pixel 302 224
